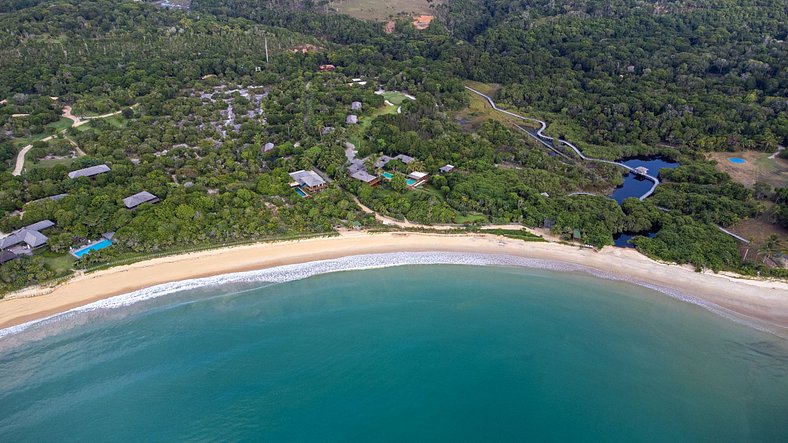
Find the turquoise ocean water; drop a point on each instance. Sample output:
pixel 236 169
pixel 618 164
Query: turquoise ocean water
pixel 412 353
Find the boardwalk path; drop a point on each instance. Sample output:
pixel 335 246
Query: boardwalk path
pixel 539 136
pixel 548 141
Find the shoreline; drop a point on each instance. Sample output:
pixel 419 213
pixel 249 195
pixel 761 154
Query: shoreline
pixel 764 303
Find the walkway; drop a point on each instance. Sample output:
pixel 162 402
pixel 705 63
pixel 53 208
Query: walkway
pixel 548 141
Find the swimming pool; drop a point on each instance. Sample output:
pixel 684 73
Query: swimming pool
pixel 410 182
pixel 91 247
pixel 387 175
pixel 301 192
pixel 737 160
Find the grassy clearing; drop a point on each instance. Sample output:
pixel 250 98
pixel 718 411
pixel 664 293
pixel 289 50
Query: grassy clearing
pixel 60 263
pixel 395 97
pixel 50 163
pixel 758 168
pixel 382 9
pixel 480 111
pixel 50 129
pixel 470 219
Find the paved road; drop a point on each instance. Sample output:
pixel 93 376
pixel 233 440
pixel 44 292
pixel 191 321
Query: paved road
pixel 548 141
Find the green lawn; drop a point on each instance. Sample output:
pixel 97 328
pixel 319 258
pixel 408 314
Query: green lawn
pixel 50 129
pixel 470 218
pixel 50 163
pixel 60 263
pixel 394 97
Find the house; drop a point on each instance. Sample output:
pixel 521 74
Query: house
pixel 355 106
pixel 88 172
pixel 446 169
pixel 308 179
pixel 365 177
pixel 6 256
pixel 327 68
pixel 642 170
pixel 418 176
pixel 24 240
pixel 326 130
pixel 268 147
pixel 351 119
pixel 139 198
pixel 383 161
pixel 405 159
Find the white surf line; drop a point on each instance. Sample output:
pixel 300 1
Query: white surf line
pixel 543 138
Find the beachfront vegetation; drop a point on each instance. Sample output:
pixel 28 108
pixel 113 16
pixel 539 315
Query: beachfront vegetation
pixel 200 100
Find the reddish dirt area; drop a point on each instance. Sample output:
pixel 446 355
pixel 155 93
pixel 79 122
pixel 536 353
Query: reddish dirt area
pixel 421 22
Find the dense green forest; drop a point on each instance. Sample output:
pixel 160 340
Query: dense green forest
pixel 217 104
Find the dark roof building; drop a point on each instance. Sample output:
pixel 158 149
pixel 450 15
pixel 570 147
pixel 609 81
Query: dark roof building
pixel 28 235
pixel 308 179
pixel 365 176
pixel 89 172
pixel 6 256
pixel 383 161
pixel 405 159
pixel 139 198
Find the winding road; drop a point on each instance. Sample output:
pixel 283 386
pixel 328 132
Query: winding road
pixel 20 158
pixel 548 141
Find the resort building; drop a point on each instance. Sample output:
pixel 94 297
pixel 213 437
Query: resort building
pixel 417 179
pixel 89 172
pixel 385 159
pixel 365 177
pixel 446 169
pixel 6 256
pixel 355 106
pixel 268 147
pixel 405 159
pixel 326 68
pixel 326 130
pixel 139 198
pixel 308 180
pixel 642 170
pixel 23 241
pixel 351 119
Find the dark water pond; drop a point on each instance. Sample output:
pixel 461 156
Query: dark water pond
pixel 635 185
pixel 622 240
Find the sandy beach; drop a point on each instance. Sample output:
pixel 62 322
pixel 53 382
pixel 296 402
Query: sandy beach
pixel 757 301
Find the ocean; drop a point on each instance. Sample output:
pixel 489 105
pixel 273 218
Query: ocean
pixel 408 353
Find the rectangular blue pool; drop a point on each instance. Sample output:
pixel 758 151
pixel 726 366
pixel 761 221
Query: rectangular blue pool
pixel 78 253
pixel 301 192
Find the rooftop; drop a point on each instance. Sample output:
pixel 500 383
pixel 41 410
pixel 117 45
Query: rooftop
pixel 364 176
pixel 310 179
pixel 139 198
pixel 446 168
pixel 89 172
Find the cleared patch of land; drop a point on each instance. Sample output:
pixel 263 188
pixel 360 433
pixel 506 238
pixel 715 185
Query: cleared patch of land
pixel 480 111
pixel 379 10
pixel 758 167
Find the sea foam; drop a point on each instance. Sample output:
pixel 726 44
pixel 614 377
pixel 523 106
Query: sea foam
pixel 40 328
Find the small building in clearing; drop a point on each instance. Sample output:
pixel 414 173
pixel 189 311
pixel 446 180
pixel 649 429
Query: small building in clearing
pixel 309 180
pixel 89 172
pixel 355 106
pixel 351 119
pixel 139 198
pixel 365 177
pixel 446 169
